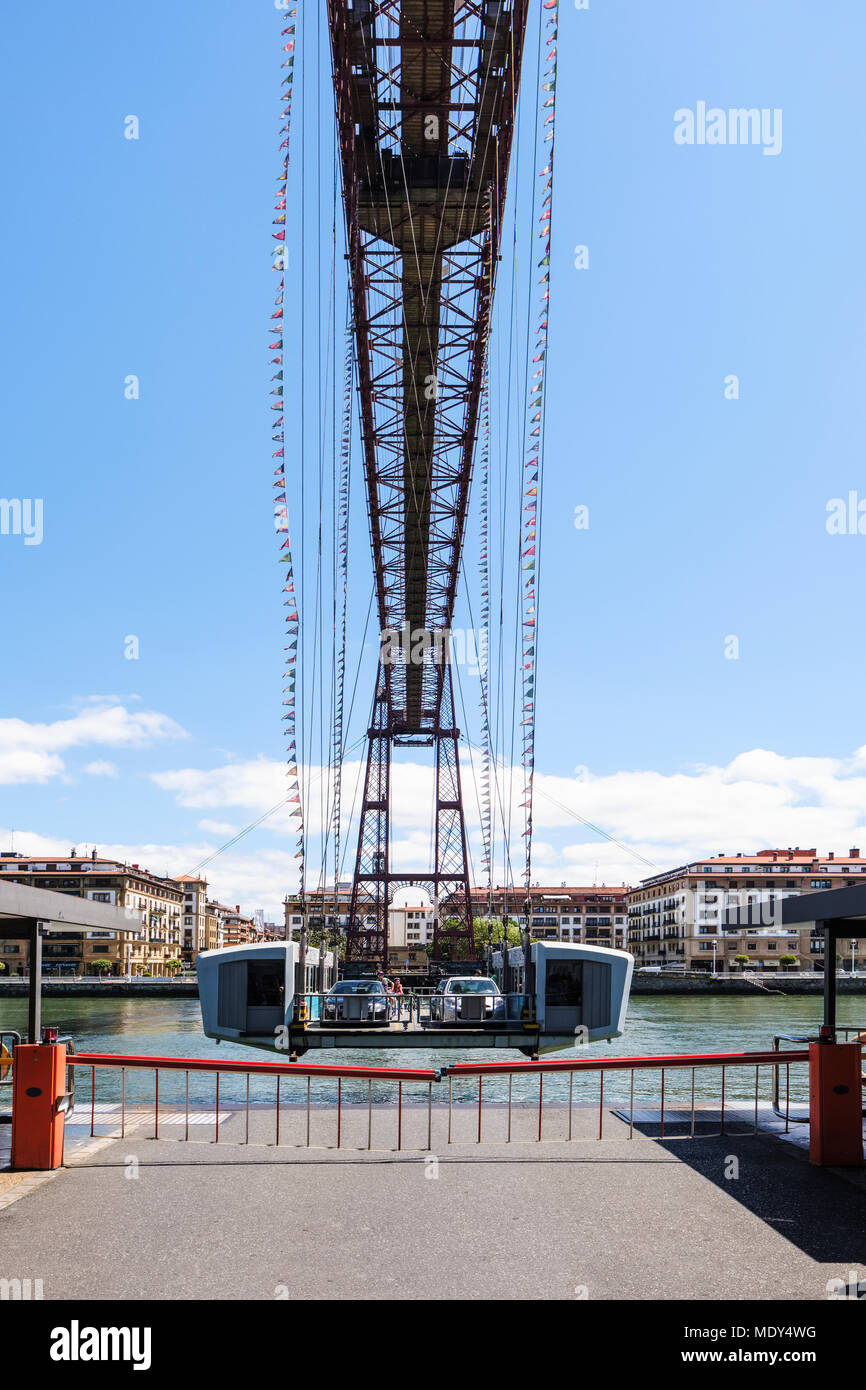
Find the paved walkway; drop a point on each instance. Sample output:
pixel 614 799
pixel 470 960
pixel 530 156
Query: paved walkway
pixel 138 1218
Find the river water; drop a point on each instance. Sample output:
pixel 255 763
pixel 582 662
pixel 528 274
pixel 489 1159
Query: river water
pixel 656 1026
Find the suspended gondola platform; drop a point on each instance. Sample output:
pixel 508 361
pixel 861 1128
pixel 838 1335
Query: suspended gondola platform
pixel 262 996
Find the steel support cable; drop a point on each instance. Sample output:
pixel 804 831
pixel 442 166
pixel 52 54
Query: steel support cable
pixel 508 868
pixel 324 377
pixel 402 310
pixel 470 747
pixel 463 78
pixel 322 390
pixel 492 243
pixel 253 825
pixel 478 103
pixel 336 531
pixel 531 530
pixel 420 537
pixel 513 363
pixel 350 748
pixel 281 514
pixel 348 722
pixel 318 611
pixel 341 568
pixel 413 482
pixel 303 375
pixel 484 631
pixel 590 825
pixel 499 724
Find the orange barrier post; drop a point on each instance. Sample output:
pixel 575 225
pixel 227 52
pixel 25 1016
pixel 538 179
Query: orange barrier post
pixel 835 1104
pixel 38 1112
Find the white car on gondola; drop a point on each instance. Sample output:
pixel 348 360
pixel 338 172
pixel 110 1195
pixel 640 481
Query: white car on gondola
pixel 467 1000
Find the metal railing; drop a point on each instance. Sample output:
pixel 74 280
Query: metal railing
pixel 301 1113
pixel 9 1040
pixel 849 1032
pixel 693 1096
pixel 679 1112
pixel 413 1008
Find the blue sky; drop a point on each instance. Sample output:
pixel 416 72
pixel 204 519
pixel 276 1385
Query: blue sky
pixel 707 516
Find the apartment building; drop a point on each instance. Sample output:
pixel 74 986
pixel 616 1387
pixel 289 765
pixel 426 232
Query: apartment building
pixel 194 916
pixel 677 917
pixel 410 924
pixel 237 929
pixel 594 914
pixel 154 901
pixel 597 914
pixel 325 910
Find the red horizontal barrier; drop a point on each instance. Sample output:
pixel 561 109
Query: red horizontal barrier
pixel 312 1069
pixel 677 1059
pixel 113 1059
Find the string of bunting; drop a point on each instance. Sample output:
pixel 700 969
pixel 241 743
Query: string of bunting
pixel 343 568
pixel 484 664
pixel 484 567
pixel 281 510
pixel 534 449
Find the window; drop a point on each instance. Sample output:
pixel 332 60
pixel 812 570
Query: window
pixel 563 983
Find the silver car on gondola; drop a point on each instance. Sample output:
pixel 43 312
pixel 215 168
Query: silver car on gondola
pixel 356 1001
pixel 467 1000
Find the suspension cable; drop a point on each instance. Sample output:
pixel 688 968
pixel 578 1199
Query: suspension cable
pixel 281 513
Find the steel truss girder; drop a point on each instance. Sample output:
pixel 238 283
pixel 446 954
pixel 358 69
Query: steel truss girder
pixel 425 100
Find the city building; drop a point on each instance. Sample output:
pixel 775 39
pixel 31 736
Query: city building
pixel 326 910
pixel 194 915
pixel 156 902
pixel 597 915
pixel 216 915
pixel 237 930
pixel 410 924
pixel 677 917
pixel 594 914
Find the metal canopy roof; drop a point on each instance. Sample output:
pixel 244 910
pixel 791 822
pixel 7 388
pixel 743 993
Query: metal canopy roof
pixel 843 906
pixel 61 911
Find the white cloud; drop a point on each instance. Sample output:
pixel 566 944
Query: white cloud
pixel 31 752
pixel 255 878
pixel 218 827
pixel 759 800
pixel 101 769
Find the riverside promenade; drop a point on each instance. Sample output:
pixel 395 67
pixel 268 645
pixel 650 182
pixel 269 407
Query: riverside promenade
pixel 750 984
pixel 138 1218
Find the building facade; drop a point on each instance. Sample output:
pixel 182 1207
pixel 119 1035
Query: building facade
pixel 155 902
pixel 194 916
pixel 677 918
pixel 237 929
pixel 596 915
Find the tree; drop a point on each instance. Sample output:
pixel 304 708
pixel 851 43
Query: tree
pixel 741 960
pixel 787 960
pixel 172 966
pixel 492 927
pixel 102 966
